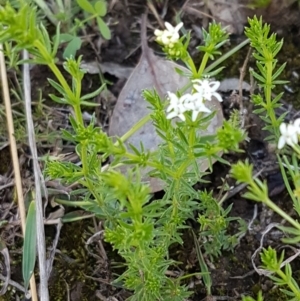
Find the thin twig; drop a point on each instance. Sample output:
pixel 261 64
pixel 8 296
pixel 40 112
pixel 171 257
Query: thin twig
pixel 38 181
pixel 14 156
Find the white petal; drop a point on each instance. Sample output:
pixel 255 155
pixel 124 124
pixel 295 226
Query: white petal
pixel 174 38
pixel 214 85
pixel 189 105
pixel 173 97
pixel 297 122
pixel 194 115
pixel 165 39
pixel 186 97
pixel 178 26
pixel 206 84
pixel 199 81
pixel 170 108
pixel 169 27
pixel 218 96
pixel 297 125
pixel 283 129
pixel 170 94
pixel 205 109
pixel 171 115
pixel 294 139
pixel 198 88
pixel 158 32
pixel 281 142
pixel 291 130
pixel 182 117
pixel 158 39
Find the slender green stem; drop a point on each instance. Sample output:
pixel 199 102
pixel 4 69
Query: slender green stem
pixel 72 203
pixel 203 64
pixel 285 179
pixel 279 211
pixel 296 148
pixel 171 150
pixel 51 63
pixel 268 94
pixel 82 22
pixel 155 165
pixel 75 102
pixel 135 128
pixel 289 283
pixel 190 63
pixel 182 168
pixel 226 56
pixel 217 62
pixel 192 134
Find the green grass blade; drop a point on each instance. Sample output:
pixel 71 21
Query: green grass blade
pixel 29 248
pixel 204 269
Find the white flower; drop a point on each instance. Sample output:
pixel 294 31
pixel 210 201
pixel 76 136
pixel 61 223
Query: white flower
pixel 297 125
pixel 177 106
pixel 169 36
pixel 207 88
pixel 196 104
pixel 288 136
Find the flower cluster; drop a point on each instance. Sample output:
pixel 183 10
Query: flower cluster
pixel 289 133
pixel 169 36
pixel 195 102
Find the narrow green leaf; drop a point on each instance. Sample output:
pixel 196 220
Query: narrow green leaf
pixel 261 68
pixel 180 71
pixel 277 98
pixel 29 248
pixel 56 86
pixel 58 99
pixel 94 94
pixel 103 29
pixel 46 38
pixel 280 82
pixel 278 47
pixel 75 216
pixel 289 230
pixel 89 104
pixel 259 77
pixel 56 41
pixel 203 267
pixel 86 6
pixel 215 72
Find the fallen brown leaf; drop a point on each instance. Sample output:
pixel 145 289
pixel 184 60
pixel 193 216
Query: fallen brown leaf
pixel 151 72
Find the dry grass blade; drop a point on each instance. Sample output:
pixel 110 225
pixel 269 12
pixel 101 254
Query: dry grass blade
pixel 44 293
pixel 14 155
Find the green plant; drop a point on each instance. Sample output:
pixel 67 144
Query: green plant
pixel 64 13
pixel 248 298
pixel 266 48
pixel 283 278
pixel 259 4
pixel 141 229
